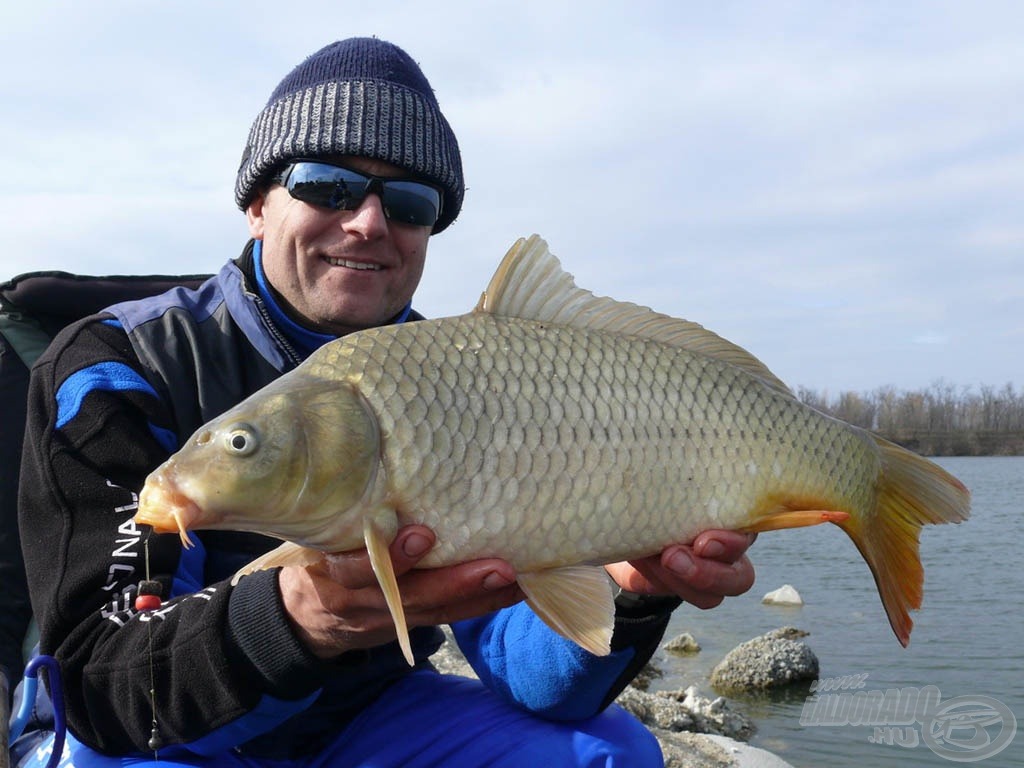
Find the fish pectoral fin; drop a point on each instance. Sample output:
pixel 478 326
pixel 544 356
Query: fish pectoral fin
pixel 379 535
pixel 799 518
pixel 286 554
pixel 576 602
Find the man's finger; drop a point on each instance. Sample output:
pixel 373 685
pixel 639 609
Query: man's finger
pixel 353 570
pixel 430 589
pixel 724 546
pixel 706 577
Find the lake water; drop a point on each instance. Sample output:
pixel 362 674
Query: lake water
pixel 968 637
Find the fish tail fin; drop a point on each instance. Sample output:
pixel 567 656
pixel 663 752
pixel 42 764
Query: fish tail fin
pixel 912 492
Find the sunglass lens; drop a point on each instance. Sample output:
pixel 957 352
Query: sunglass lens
pixel 409 202
pixel 327 186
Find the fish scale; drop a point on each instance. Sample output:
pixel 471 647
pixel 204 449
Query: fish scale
pixel 606 424
pixel 556 430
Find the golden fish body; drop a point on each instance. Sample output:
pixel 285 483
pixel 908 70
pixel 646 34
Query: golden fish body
pixel 556 430
pixel 549 446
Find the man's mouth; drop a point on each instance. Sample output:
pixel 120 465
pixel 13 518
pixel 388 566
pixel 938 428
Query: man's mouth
pixel 361 265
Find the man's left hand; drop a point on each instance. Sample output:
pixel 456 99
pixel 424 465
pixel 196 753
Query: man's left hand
pixel 703 573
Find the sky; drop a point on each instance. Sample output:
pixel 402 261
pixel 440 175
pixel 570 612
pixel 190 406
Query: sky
pixel 838 187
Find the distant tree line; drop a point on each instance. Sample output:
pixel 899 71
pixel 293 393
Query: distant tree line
pixel 942 420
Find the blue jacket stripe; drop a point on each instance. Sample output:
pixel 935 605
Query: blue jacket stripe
pixel 167 438
pixel 269 713
pixel 103 377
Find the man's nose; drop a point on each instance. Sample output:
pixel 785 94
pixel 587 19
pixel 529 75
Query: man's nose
pixel 368 220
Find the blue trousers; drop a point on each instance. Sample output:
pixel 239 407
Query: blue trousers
pixel 432 721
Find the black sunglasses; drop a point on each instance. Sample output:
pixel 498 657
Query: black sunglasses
pixel 341 189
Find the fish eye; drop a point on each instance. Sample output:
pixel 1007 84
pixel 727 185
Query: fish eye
pixel 241 440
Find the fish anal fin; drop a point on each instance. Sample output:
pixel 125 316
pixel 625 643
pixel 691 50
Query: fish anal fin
pixel 799 518
pixel 379 532
pixel 530 284
pixel 576 602
pixel 286 554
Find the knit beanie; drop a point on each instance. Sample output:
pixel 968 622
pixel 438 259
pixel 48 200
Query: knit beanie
pixel 360 96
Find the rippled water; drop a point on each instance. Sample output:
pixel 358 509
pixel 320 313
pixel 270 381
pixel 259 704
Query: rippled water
pixel 968 638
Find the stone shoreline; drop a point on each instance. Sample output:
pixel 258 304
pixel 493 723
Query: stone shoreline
pixel 694 731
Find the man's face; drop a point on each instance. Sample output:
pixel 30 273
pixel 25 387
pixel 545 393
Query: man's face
pixel 340 270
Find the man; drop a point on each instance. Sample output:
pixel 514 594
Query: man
pixel 347 172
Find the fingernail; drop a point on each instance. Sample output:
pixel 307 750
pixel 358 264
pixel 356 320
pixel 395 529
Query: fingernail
pixel 416 545
pixel 680 563
pixel 713 548
pixel 495 580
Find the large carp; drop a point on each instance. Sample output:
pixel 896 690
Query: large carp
pixel 554 429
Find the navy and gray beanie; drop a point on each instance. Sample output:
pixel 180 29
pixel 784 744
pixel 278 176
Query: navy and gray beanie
pixel 360 96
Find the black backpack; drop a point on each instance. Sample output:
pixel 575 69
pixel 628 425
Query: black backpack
pixel 33 308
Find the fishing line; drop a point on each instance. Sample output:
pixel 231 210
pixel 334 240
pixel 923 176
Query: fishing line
pixel 148 599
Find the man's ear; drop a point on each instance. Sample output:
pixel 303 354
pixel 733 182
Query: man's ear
pixel 254 215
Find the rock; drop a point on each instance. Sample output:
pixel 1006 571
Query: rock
pixel 655 710
pixel 784 595
pixel 774 659
pixel 685 710
pixel 449 659
pixel 646 675
pixel 684 643
pixel 746 756
pixel 682 749
pixel 693 731
pixel 787 633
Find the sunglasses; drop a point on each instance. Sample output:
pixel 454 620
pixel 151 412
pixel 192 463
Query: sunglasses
pixel 341 189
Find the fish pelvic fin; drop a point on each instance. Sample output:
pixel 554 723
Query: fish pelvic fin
pixel 379 532
pixel 286 554
pixel 531 284
pixel 912 492
pixel 576 602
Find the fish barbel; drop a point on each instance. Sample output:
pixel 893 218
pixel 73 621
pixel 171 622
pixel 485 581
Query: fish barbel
pixel 552 428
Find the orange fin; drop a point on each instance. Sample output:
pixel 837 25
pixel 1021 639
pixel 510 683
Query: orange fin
pixel 912 492
pixel 798 518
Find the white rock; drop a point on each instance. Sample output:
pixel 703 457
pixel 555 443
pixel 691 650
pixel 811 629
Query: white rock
pixel 746 756
pixel 784 595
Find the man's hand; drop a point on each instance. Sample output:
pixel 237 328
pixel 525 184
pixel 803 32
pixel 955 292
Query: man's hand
pixel 703 573
pixel 337 605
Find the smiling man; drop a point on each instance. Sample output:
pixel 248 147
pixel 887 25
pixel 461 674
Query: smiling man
pixel 347 172
pixel 341 273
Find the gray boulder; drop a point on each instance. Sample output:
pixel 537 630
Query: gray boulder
pixel 682 644
pixel 685 710
pixel 774 659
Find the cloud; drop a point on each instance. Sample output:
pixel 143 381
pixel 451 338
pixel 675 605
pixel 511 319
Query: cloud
pixel 823 185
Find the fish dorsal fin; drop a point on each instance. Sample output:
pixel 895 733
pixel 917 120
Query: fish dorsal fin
pixel 530 284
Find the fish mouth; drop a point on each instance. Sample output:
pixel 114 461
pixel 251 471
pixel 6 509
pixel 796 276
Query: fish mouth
pixel 165 509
